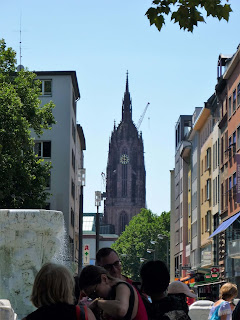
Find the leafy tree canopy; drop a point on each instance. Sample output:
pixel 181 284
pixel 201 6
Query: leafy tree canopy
pixel 187 13
pixel 136 239
pixel 23 175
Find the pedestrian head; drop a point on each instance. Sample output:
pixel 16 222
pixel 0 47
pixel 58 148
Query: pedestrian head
pixel 53 284
pixel 155 277
pixel 228 291
pixel 95 281
pixel 109 260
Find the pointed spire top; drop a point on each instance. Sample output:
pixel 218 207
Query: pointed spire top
pixel 127 104
pixel 127 82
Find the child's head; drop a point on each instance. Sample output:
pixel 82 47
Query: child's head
pixel 228 291
pixel 53 283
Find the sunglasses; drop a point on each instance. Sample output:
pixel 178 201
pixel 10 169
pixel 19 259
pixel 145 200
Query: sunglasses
pixel 110 266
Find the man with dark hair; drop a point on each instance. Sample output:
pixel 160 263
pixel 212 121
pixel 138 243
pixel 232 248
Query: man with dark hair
pixel 155 281
pixel 109 260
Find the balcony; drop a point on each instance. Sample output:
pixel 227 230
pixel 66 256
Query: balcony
pixel 234 249
pixel 185 150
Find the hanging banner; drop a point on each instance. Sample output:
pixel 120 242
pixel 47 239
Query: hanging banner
pixel 237 158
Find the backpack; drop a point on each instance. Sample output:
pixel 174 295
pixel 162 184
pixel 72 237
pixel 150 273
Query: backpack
pixel 176 315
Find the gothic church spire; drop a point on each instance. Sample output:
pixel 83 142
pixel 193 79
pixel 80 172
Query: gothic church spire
pixel 127 105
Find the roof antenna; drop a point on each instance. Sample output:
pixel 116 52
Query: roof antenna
pixel 20 66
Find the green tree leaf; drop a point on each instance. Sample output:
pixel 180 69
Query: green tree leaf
pixel 136 239
pixel 186 13
pixel 23 176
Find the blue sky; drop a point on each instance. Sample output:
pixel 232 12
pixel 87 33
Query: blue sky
pixel 173 70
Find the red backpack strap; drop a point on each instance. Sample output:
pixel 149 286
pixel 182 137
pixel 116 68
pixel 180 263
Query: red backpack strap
pixel 81 312
pixel 86 312
pixel 78 311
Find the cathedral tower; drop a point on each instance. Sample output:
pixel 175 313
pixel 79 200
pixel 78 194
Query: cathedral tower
pixel 125 187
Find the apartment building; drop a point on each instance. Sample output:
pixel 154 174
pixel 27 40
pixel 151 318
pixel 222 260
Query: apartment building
pixel 63 146
pixel 194 232
pixel 211 167
pixel 182 129
pixel 228 90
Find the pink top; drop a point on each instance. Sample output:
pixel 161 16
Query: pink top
pixel 141 313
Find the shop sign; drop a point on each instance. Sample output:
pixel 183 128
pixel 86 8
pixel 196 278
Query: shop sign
pixel 86 255
pixel 207 257
pixel 237 158
pixel 208 277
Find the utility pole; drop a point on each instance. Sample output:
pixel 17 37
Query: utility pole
pixel 81 183
pixel 98 199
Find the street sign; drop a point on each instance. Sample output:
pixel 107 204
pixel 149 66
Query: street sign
pixel 86 255
pixel 186 267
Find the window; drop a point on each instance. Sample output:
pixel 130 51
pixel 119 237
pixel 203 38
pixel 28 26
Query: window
pixel 72 217
pixel 208 158
pixel 230 147
pixel 234 100
pixel 43 149
pixel 238 94
pixel 123 221
pixel 208 222
pixel 229 107
pixel 73 160
pixel 208 189
pixel 238 137
pixel 124 175
pixel 230 183
pixel 234 143
pixel 73 189
pixel 234 183
pixel 194 229
pixel 230 187
pixel 46 87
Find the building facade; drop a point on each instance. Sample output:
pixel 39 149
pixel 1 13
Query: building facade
pixel 126 176
pixel 212 151
pixel 63 145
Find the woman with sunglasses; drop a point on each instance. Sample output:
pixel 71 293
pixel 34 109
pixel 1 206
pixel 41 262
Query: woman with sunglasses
pixel 111 296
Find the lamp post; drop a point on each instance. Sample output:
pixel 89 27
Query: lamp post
pixel 81 183
pixel 161 237
pixel 98 198
pixel 151 251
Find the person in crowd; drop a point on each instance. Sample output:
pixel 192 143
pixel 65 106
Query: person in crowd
pixel 236 312
pixel 221 309
pixel 181 291
pixel 155 281
pixel 53 296
pixel 112 297
pixel 109 260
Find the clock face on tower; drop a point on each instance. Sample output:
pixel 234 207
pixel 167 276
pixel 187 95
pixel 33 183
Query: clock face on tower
pixel 124 159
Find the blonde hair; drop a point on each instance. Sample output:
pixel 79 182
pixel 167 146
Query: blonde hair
pixel 54 283
pixel 228 291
